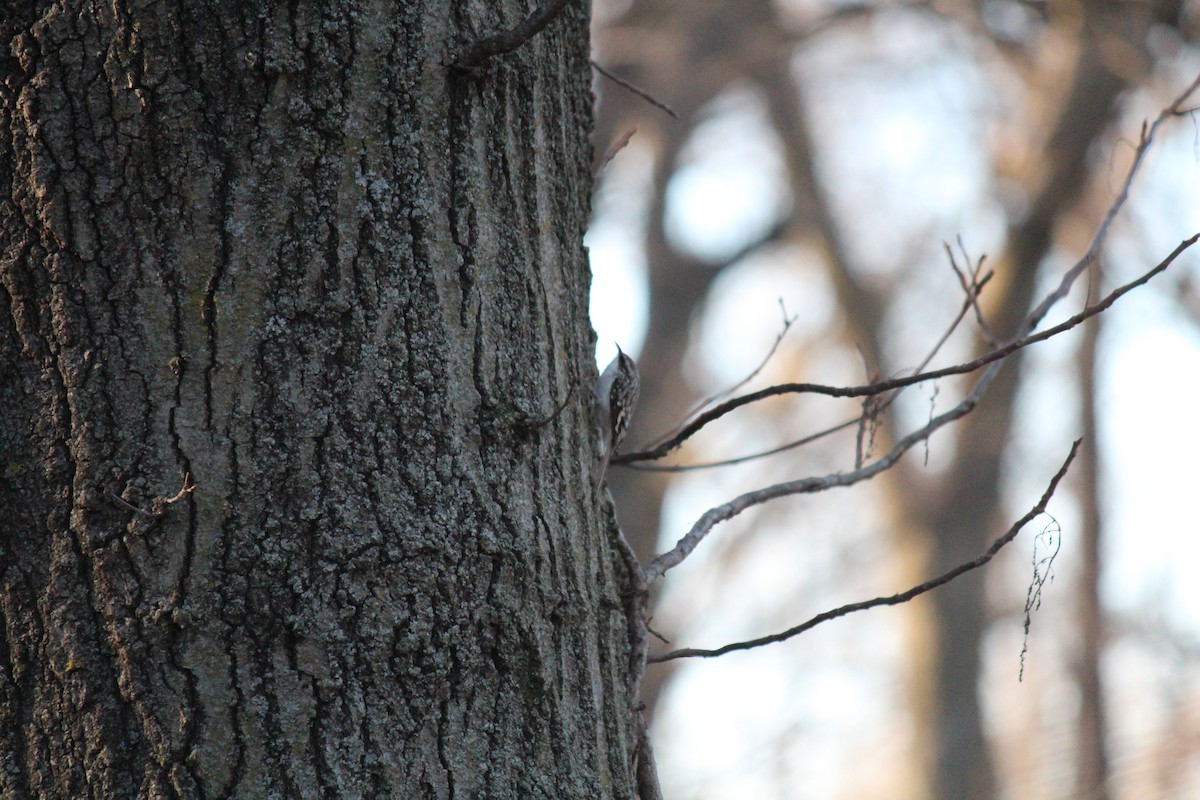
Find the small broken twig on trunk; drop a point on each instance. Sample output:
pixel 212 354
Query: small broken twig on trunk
pixel 507 41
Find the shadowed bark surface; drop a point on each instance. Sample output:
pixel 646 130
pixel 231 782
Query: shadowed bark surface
pixel 282 252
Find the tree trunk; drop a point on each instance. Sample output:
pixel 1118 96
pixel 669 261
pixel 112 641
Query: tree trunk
pixel 964 767
pixel 285 255
pixel 1091 752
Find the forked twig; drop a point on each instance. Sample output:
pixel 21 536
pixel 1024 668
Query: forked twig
pixel 810 438
pixel 880 387
pixel 994 361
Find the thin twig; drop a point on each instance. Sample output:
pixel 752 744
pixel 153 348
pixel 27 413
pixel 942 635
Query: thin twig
pixel 507 41
pixel 788 322
pixel 729 462
pixel 639 91
pixel 973 286
pixel 544 422
pixel 892 600
pixel 129 505
pixel 187 488
pixel 864 437
pixel 713 398
pixel 157 504
pixel 642 466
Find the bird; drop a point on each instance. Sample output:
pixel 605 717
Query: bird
pixel 616 396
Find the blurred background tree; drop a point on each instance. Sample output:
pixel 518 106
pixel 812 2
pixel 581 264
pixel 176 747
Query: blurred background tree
pixel 822 154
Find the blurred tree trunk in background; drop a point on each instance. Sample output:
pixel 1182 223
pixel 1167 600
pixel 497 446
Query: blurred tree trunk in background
pixel 283 257
pixel 688 53
pixel 968 503
pixel 678 282
pixel 1091 768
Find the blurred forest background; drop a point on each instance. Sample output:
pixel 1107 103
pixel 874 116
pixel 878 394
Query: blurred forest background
pixel 822 155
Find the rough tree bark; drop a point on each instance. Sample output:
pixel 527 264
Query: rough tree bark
pixel 283 254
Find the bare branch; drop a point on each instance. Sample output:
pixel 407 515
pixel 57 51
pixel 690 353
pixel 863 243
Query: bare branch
pixel 1147 138
pixel 187 488
pixel 640 92
pixel 788 321
pixel 1023 338
pixel 541 423
pixel 881 387
pixel 122 501
pixel 729 462
pixel 714 516
pixel 971 282
pixel 994 362
pixel 507 41
pixel 892 600
pixel 978 285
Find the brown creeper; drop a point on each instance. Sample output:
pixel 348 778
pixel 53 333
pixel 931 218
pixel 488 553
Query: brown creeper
pixel 616 395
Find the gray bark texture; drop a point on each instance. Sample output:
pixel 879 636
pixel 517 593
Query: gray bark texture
pixel 283 254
